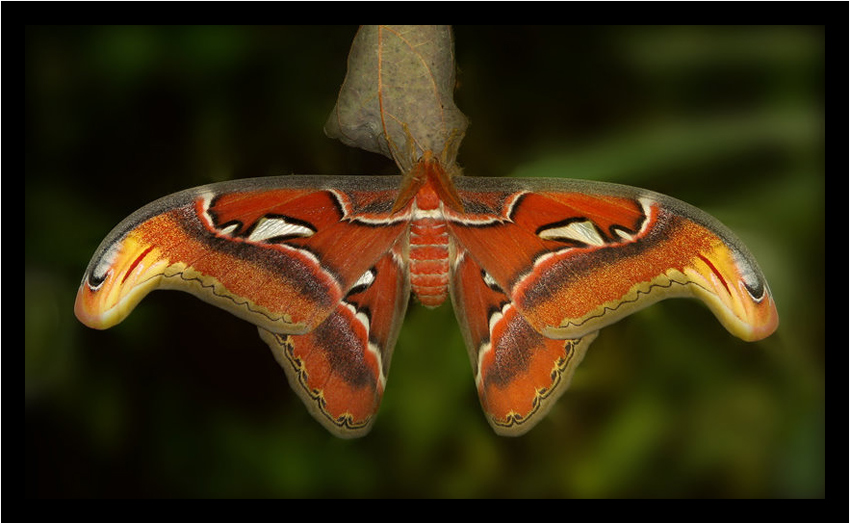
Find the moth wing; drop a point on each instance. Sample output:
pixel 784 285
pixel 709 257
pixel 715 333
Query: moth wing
pixel 278 252
pixel 519 373
pixel 541 265
pixel 339 369
pixel 575 256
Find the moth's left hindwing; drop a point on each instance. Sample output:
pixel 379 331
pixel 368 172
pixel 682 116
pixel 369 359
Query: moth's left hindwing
pixel 309 260
pixel 340 368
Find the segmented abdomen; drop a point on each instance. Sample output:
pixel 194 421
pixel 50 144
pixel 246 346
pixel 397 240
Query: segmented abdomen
pixel 429 260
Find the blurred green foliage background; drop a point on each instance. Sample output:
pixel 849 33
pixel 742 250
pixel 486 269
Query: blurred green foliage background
pixel 183 400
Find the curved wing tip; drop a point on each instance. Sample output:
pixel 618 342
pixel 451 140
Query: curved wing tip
pixel 753 321
pixel 90 317
pixel 761 330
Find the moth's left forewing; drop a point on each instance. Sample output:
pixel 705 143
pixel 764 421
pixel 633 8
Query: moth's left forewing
pixel 278 252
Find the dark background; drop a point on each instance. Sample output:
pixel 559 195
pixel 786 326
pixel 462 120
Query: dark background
pixel 184 400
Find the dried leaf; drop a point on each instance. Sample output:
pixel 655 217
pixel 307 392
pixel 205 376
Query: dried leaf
pixel 396 98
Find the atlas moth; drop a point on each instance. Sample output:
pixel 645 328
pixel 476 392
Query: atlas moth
pixel 324 266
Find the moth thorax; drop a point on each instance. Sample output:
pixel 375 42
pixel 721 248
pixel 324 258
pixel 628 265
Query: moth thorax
pixel 429 260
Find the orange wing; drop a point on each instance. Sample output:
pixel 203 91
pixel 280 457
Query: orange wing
pixel 315 262
pixel 544 264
